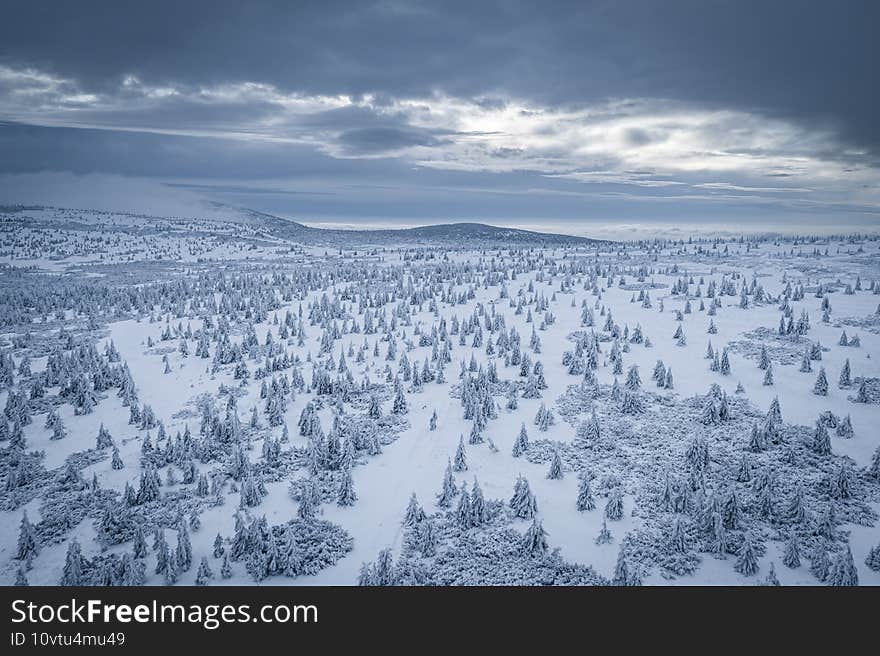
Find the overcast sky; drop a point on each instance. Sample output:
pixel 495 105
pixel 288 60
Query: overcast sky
pixel 755 114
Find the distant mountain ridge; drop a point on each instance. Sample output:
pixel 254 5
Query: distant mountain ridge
pixel 454 233
pixel 270 225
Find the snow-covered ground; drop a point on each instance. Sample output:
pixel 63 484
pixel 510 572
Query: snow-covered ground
pixel 128 302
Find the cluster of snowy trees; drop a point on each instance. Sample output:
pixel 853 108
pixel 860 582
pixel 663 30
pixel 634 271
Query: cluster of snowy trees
pixel 258 327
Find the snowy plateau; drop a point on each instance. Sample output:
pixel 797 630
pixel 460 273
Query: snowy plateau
pixel 245 400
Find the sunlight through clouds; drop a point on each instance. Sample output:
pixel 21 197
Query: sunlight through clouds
pixel 678 150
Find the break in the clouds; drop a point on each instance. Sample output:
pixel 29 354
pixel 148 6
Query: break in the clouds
pixel 409 111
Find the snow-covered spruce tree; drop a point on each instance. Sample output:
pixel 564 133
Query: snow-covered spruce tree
pixel 725 363
pixel 132 572
pixel 841 482
pixel 843 571
pixel 139 543
pixel 588 432
pixel 873 470
pixel 366 576
pixel 149 486
pixel 59 432
pixel 544 418
pixel 116 462
pixel 844 428
pixel 825 527
pixel 633 381
pixel 427 539
pixel 845 379
pixel 820 388
pixel 204 573
pixel 384 570
pixel 631 403
pixel 521 443
pixel 555 472
pixel 585 499
pixel 476 437
pixel 614 505
pixel 523 502
pixel 479 510
pixel 73 573
pixel 400 406
pixel 771 579
pixel 747 559
pixel 604 536
pixel 28 545
pixel 414 512
pixel 731 510
pixel 677 537
pixel 202 488
pixel 17 439
pixel 183 553
pixel 862 394
pixel 774 413
pixel 463 511
pixel 796 512
pixel 820 564
pixel 115 525
pixel 449 489
pixel 806 364
pixel 460 456
pixel 659 373
pixel 289 560
pixel 615 390
pixel 256 565
pixel 709 415
pixel 792 556
pixel 104 440
pixel 309 500
pixel 252 491
pixel 226 567
pixel 346 495
pixel 821 444
pixel 623 573
pixel 534 542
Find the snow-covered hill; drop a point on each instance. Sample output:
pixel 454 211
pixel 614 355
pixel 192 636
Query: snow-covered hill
pixel 223 217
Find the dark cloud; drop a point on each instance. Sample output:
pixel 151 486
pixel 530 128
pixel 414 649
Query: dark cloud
pixel 811 59
pixel 385 140
pixel 638 137
pixel 146 154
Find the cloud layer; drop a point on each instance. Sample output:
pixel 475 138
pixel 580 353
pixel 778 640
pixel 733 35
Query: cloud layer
pixel 584 110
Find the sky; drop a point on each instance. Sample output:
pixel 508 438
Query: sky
pixel 566 116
